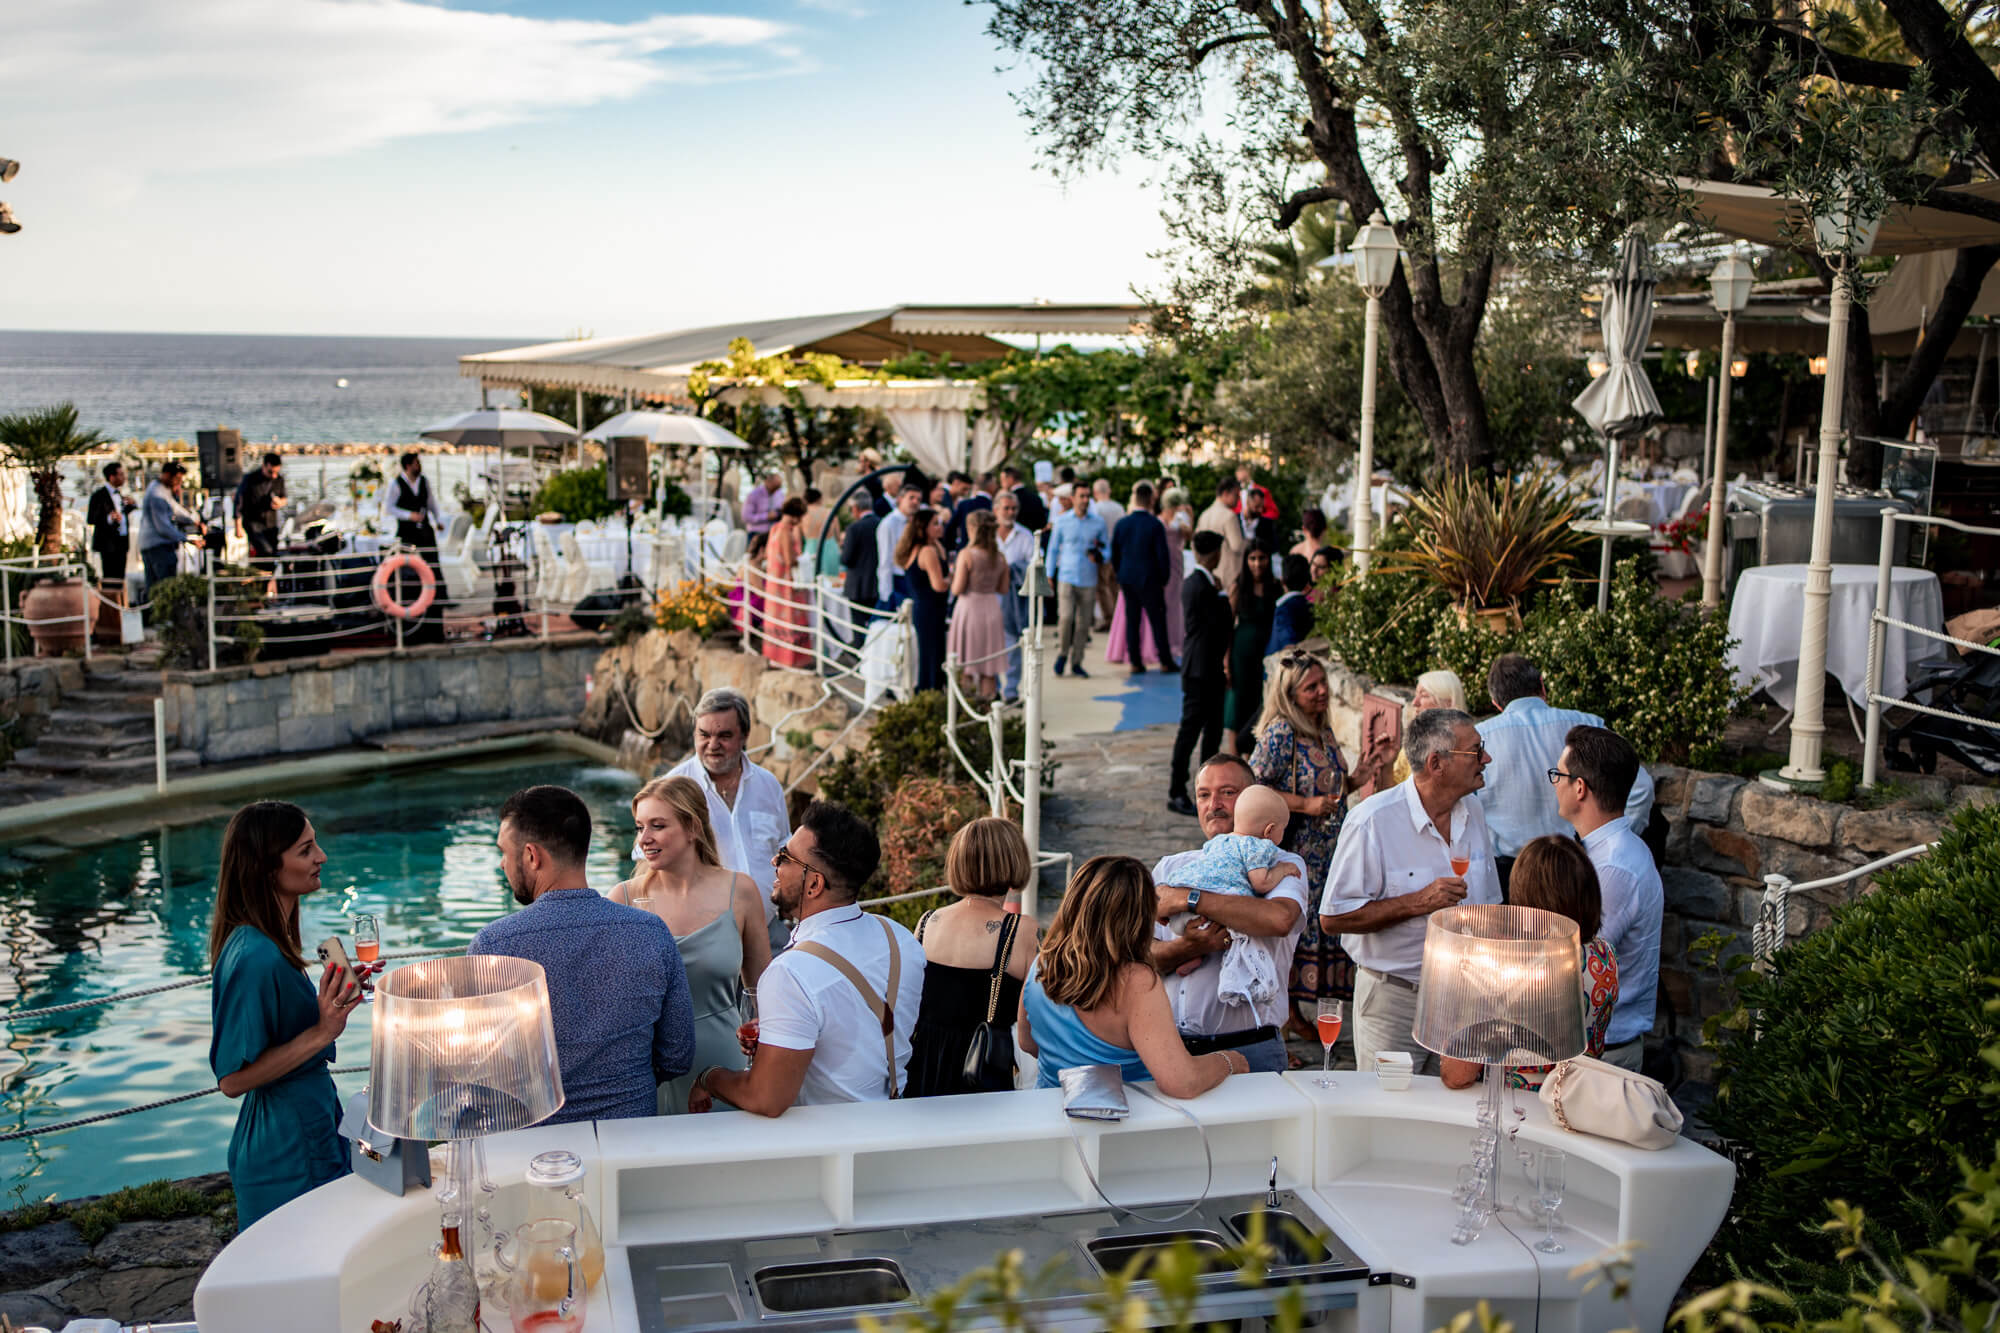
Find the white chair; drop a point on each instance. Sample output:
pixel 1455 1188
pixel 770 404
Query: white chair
pixel 583 572
pixel 548 578
pixel 455 535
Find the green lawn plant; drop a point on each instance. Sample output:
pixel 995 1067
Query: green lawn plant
pixel 178 609
pixel 1490 542
pixel 1862 1068
pixel 577 494
pixel 907 741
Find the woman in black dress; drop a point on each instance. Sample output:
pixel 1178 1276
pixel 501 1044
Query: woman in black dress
pixel 976 955
pixel 920 554
pixel 1253 599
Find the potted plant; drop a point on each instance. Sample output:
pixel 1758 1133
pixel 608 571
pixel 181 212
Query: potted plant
pixel 56 608
pixel 1487 542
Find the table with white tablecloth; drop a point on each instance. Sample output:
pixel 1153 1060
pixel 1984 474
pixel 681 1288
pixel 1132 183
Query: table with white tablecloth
pixel 1767 611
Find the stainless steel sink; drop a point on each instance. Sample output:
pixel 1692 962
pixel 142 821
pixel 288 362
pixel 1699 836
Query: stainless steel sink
pixel 836 1284
pixel 1284 1232
pixel 1114 1254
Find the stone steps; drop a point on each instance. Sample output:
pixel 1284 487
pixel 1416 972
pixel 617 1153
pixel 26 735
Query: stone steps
pixel 108 696
pixel 97 769
pixel 119 723
pixel 69 744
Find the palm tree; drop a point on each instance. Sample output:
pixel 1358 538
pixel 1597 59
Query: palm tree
pixel 39 441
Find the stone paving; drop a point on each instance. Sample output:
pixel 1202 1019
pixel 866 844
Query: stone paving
pixel 1111 797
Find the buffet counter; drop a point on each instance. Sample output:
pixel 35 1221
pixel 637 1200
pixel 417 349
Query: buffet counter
pixel 1375 1169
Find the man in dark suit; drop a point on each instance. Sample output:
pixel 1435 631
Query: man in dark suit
pixel 111 527
pixel 1204 667
pixel 858 558
pixel 967 499
pixel 1139 555
pixel 1034 514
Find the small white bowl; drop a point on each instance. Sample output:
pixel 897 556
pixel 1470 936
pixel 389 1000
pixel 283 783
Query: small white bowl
pixel 1392 1070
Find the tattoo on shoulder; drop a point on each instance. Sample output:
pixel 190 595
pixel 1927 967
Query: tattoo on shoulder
pixel 993 927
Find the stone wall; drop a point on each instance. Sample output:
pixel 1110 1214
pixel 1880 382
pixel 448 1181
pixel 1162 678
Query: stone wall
pixel 30 690
pixel 322 703
pixel 646 689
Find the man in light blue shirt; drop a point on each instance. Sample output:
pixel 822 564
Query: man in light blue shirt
pixel 1077 546
pixel 1525 741
pixel 892 585
pixel 1591 782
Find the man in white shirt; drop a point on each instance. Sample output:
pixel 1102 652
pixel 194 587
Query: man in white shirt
pixel 1272 922
pixel 835 1011
pixel 1392 869
pixel 892 586
pixel 746 802
pixel 1524 741
pixel 1220 517
pixel 1591 781
pixel 1109 511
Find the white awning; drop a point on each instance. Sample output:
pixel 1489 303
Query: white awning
pixel 1758 214
pixel 879 395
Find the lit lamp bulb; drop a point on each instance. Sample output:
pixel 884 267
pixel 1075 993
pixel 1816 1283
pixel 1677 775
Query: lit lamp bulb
pixel 1739 367
pixel 1597 365
pixel 1694 365
pixel 1817 365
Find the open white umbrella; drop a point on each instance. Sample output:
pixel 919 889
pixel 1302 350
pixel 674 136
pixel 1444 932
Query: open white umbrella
pixel 499 428
pixel 1621 402
pixel 666 428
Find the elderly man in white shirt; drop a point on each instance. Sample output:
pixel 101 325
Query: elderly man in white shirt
pixel 836 1010
pixel 746 802
pixel 1272 922
pixel 1393 868
pixel 1591 779
pixel 1524 741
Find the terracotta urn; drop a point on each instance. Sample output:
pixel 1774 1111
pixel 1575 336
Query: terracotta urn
pixel 56 611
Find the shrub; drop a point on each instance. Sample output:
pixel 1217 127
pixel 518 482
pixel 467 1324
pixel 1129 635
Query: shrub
pixel 907 741
pixel 1381 627
pixel 1868 1080
pixel 179 607
pixel 577 494
pixel 692 604
pixel 918 821
pixel 1489 543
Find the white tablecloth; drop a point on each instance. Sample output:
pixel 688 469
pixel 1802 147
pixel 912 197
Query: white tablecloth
pixel 1665 495
pixel 1766 613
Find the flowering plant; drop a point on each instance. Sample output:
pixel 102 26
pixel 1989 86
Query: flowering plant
pixel 692 604
pixel 1686 534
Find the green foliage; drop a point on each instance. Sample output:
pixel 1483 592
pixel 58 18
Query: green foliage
pixel 38 442
pixel 907 741
pixel 577 494
pixel 1488 542
pixel 1861 1067
pixel 630 622
pixel 1288 485
pixel 1382 626
pixel 154 1201
pixel 179 611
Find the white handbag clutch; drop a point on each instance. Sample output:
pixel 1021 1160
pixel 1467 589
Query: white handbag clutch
pixel 1589 1096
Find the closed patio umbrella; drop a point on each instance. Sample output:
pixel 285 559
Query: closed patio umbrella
pixel 1621 402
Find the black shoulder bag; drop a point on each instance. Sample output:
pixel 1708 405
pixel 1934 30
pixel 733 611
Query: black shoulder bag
pixel 989 1055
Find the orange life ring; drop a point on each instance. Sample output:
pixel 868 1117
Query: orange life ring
pixel 380 585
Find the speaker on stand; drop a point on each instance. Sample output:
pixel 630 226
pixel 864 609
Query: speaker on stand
pixel 625 481
pixel 221 455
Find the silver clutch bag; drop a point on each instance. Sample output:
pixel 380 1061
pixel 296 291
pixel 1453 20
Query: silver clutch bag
pixel 1094 1092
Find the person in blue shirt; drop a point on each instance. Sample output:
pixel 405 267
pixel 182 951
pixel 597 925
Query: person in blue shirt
pixel 618 994
pixel 272 1043
pixel 1077 546
pixel 1292 618
pixel 1139 556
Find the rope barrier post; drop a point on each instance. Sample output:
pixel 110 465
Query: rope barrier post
pixel 89 607
pixel 398 620
pixel 7 614
pixel 1036 587
pixel 209 558
pixel 159 743
pixel 1871 745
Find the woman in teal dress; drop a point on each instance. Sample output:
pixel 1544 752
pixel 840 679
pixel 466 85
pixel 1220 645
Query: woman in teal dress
pixel 716 916
pixel 273 1036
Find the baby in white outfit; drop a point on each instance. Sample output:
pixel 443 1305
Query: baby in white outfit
pixel 1243 862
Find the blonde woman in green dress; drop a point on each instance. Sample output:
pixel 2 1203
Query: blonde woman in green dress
pixel 715 914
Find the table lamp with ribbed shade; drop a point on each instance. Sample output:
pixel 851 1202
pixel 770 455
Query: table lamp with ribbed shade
pixel 1501 986
pixel 463 1048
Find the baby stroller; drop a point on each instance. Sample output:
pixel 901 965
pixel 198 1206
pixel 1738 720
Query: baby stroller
pixel 1967 689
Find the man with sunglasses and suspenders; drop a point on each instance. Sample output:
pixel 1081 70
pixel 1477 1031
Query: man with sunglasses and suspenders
pixel 834 1011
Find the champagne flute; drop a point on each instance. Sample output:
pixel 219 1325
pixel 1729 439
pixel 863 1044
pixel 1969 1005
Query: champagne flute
pixel 1549 1196
pixel 746 1031
pixel 1328 1022
pixel 367 949
pixel 1460 862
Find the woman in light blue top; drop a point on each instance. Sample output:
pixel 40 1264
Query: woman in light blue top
pixel 1093 996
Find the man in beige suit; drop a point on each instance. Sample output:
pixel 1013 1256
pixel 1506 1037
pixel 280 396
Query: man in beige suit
pixel 1220 518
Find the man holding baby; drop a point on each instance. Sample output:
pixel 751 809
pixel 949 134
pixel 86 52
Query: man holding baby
pixel 1201 976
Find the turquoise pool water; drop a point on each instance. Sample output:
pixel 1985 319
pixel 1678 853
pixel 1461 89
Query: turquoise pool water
pixel 415 847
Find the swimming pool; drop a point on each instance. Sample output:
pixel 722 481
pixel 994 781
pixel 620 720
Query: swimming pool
pixel 415 846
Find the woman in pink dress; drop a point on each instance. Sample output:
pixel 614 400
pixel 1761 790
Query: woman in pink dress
pixel 787 615
pixel 1178 527
pixel 979 579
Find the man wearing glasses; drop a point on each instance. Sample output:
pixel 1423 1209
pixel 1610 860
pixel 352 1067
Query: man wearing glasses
pixel 834 1011
pixel 1394 867
pixel 746 802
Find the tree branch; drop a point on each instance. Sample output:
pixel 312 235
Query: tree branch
pixel 1209 48
pixel 1292 208
pixel 1801 46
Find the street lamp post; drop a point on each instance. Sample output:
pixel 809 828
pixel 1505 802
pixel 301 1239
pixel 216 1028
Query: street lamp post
pixel 1843 237
pixel 1375 251
pixel 1730 287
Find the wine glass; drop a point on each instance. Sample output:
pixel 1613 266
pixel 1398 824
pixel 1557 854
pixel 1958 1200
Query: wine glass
pixel 1460 861
pixel 747 1030
pixel 1549 1196
pixel 367 949
pixel 1328 1021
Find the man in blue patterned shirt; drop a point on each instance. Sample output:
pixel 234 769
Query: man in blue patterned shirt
pixel 624 1022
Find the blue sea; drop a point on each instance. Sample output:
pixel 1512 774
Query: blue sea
pixel 274 389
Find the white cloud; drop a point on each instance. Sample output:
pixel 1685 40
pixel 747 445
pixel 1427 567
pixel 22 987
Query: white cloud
pixel 110 91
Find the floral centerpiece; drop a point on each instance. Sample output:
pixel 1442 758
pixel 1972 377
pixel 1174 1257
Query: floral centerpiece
pixel 694 604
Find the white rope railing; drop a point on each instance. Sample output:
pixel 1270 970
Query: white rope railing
pixel 1768 935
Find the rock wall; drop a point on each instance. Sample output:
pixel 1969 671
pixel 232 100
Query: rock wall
pixel 30 690
pixel 644 692
pixel 322 703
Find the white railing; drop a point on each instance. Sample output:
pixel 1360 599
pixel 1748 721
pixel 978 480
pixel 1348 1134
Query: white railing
pixel 1881 621
pixel 17 573
pixel 1768 935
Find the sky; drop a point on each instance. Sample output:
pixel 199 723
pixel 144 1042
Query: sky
pixel 531 168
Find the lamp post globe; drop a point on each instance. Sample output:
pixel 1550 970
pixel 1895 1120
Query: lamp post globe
pixel 1729 288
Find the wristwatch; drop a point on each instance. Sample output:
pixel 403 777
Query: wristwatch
pixel 1194 899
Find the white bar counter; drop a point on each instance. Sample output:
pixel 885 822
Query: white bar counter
pixel 1377 1167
